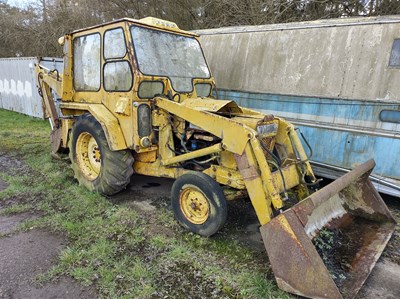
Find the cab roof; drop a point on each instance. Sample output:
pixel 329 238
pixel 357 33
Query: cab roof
pixel 148 21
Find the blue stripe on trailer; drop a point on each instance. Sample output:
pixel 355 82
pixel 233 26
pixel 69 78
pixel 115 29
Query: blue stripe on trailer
pixel 332 145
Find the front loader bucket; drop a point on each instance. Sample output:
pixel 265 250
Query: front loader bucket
pixel 349 224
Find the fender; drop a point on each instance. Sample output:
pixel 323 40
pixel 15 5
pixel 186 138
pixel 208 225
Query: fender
pixel 110 125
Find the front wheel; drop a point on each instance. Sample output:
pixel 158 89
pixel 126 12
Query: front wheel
pixel 95 165
pixel 198 203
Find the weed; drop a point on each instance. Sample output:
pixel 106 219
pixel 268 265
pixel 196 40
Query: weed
pixel 255 285
pixel 16 209
pixel 160 242
pixel 324 242
pixel 30 224
pixel 83 274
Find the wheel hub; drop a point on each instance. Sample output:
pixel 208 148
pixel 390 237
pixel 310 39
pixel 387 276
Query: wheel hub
pixel 194 205
pixel 88 156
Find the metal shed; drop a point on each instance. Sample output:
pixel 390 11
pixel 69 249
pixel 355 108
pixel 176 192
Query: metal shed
pixel 18 90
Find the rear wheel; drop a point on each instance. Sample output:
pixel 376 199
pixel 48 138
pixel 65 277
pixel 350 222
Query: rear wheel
pixel 95 165
pixel 198 203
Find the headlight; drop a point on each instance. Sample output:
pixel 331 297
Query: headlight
pixel 144 120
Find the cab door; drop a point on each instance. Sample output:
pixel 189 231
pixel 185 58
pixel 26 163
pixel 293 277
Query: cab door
pixel 117 81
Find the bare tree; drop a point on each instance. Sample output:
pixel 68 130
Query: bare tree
pixel 34 30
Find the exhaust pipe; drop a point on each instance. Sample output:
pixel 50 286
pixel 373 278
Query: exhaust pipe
pixel 326 245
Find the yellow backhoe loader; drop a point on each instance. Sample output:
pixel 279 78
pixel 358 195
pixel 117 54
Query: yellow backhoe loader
pixel 137 96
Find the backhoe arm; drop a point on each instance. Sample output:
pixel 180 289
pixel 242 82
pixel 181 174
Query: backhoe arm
pixel 49 80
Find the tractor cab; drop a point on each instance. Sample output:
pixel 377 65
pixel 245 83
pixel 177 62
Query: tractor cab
pixel 126 63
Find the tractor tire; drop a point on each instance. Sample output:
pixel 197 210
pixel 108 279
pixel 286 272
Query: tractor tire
pixel 199 203
pixel 95 165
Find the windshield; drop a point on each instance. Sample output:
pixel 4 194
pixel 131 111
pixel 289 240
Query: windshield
pixel 178 57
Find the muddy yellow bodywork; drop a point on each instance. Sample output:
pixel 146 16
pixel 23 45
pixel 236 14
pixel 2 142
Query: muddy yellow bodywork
pixel 240 153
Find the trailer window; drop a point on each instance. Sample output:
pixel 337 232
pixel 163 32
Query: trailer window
pixel 392 116
pixel 395 54
pixel 87 62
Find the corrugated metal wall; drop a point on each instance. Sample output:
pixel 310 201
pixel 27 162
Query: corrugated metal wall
pixel 331 78
pixel 330 58
pixel 18 90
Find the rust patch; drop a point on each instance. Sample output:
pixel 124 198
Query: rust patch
pixel 295 262
pixel 55 140
pixel 358 225
pixel 355 243
pixel 241 161
pixel 302 210
pixel 248 172
pixel 268 118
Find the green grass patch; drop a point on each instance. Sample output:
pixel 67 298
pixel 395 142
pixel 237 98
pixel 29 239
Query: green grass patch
pixel 255 285
pixel 114 246
pixel 16 209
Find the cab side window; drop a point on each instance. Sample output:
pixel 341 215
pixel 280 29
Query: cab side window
pixel 87 62
pixel 117 71
pixel 114 44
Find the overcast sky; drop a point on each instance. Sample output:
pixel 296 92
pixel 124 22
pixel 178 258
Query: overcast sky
pixel 20 3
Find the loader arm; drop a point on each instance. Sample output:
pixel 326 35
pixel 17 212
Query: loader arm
pixel 340 207
pixel 261 184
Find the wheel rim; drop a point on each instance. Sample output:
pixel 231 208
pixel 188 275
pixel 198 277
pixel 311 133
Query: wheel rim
pixel 88 156
pixel 194 205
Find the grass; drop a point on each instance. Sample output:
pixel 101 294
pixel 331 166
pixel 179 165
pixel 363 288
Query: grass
pixel 16 209
pixel 112 245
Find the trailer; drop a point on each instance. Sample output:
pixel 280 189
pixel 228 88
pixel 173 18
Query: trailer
pixel 337 80
pixel 18 90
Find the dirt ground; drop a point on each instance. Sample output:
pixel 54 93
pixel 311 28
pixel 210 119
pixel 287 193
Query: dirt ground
pixel 24 255
pixel 383 282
